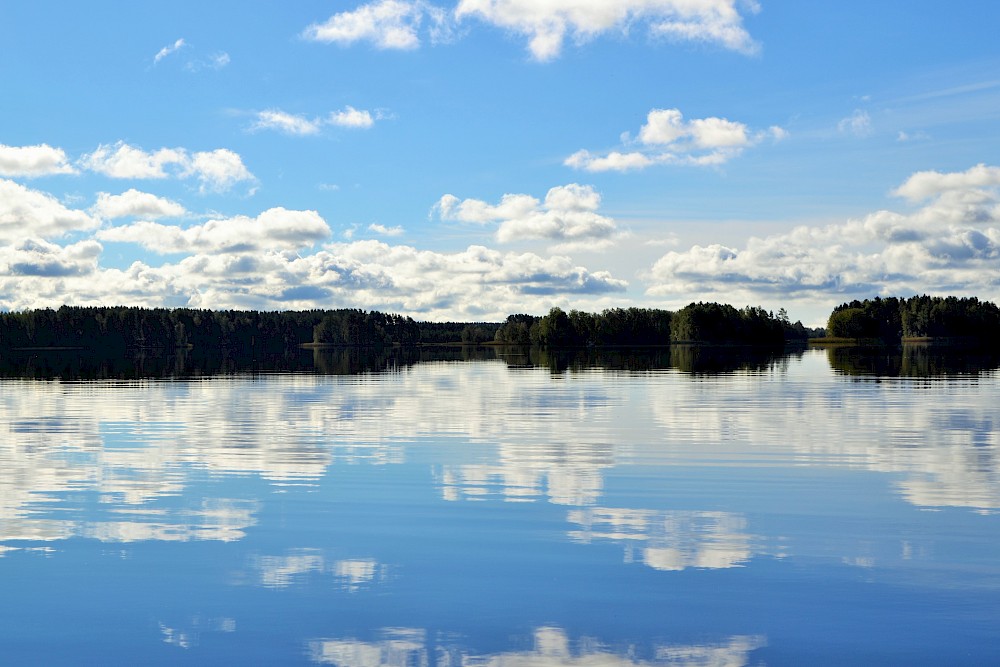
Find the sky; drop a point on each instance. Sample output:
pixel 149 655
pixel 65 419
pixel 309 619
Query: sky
pixel 465 160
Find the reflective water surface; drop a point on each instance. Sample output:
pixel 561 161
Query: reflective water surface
pixel 685 507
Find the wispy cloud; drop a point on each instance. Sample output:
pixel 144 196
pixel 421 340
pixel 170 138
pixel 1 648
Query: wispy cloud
pixel 858 124
pixel 302 125
pixel 169 49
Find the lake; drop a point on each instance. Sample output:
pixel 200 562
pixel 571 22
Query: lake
pixel 502 507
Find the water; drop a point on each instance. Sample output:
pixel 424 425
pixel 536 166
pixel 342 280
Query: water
pixel 685 508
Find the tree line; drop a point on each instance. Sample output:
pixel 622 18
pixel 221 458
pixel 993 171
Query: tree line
pixel 893 319
pixel 711 323
pixel 119 328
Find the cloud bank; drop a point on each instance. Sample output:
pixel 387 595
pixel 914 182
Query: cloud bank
pixel 950 244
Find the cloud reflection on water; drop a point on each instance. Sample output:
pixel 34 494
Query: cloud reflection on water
pixel 533 436
pixel 294 568
pixel 670 540
pixel 552 647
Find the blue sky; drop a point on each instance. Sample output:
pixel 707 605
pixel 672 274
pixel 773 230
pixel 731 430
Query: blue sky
pixel 466 160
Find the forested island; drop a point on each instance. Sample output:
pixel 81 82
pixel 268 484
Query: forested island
pixel 117 329
pixel 919 318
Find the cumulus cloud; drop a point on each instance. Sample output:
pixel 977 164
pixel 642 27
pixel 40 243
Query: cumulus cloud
pixel 36 257
pixel 926 184
pixel 30 161
pixel 548 23
pixel 300 125
pixel 217 170
pixel 388 24
pixel 274 229
pixel 666 138
pixel 951 244
pixel 569 213
pixel 477 283
pixel 135 203
pixel 351 117
pixel 27 213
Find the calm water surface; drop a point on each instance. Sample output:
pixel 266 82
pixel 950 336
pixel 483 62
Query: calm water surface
pixel 821 508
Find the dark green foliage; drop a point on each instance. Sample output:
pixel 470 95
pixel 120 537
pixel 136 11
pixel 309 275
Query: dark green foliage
pixel 852 323
pixel 114 330
pixel 517 329
pixel 454 332
pixel 474 334
pixel 917 317
pixel 615 326
pixel 724 324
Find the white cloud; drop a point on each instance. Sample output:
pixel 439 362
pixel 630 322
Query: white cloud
pixel 265 271
pixel 275 119
pixel 613 161
pixel 925 184
pixel 666 138
pixel 548 23
pixel 35 257
pixel 29 161
pixel 135 203
pixel 397 24
pixel 125 161
pixel 950 245
pixel 167 50
pixel 217 170
pixel 388 24
pixel 386 231
pixel 569 213
pixel 27 213
pixel 274 229
pixel 858 124
pixel 349 117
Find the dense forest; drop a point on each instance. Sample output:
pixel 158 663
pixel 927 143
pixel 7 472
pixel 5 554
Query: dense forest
pixel 118 329
pixel 710 323
pixel 892 319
